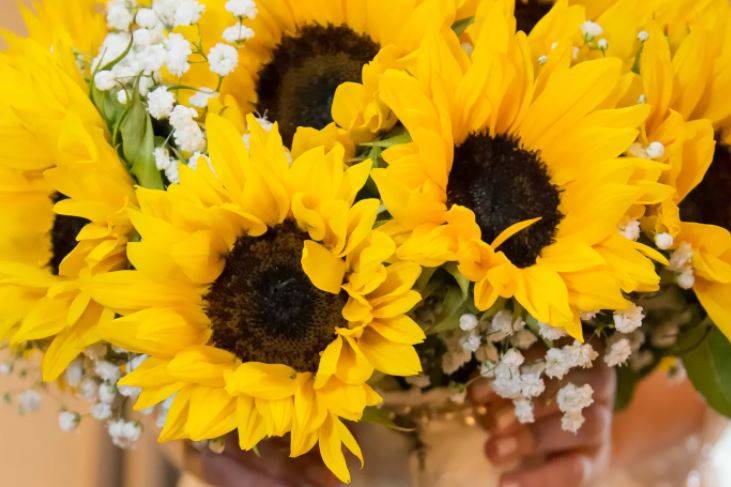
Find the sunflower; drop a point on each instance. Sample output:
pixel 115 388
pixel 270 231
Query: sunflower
pixel 63 202
pixel 689 86
pixel 262 297
pixel 520 181
pixel 304 57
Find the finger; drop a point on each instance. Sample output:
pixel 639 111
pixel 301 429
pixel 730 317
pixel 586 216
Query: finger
pixel 480 392
pixel 274 462
pixel 546 436
pixel 569 470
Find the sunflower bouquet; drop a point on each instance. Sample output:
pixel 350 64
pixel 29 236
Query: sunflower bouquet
pixel 282 217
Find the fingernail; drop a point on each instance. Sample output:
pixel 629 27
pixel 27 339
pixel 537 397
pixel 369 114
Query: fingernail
pixel 504 419
pixel 505 447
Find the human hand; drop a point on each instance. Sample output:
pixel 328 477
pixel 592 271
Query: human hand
pixel 272 468
pixel 543 454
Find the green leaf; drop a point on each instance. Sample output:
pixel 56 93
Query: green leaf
pixel 138 144
pixel 398 139
pixel 108 106
pixel 708 365
pixel 461 25
pixel 378 416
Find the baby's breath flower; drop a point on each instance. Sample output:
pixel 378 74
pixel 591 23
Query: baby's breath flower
pixel 223 59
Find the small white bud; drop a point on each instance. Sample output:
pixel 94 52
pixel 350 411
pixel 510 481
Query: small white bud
pixel 68 420
pixel 104 80
pixel 468 322
pixel 643 35
pixel 655 150
pixel 591 29
pixel 542 59
pixel 602 44
pixel 223 59
pixel 664 241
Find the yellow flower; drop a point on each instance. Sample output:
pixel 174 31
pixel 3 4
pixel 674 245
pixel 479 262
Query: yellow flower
pixel 519 180
pixel 685 70
pixel 55 150
pixel 78 26
pixel 262 297
pixel 305 54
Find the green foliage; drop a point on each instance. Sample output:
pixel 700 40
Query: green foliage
pixel 138 144
pixel 707 361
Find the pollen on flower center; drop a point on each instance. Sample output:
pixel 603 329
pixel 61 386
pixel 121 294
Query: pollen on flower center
pixel 503 184
pixel 529 12
pixel 63 236
pixel 708 202
pixel 263 307
pixel 297 86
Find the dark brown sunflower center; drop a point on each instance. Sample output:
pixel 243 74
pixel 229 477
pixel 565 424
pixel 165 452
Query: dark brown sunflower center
pixel 296 88
pixel 529 12
pixel 503 184
pixel 63 235
pixel 263 307
pixel 709 202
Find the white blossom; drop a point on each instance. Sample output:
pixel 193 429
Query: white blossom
pixel 160 103
pixel 124 433
pixel 664 241
pixel 119 16
pixel 631 230
pixel 550 333
pixel 122 97
pixel 532 384
pixel 629 320
pixel 580 354
pixel 237 33
pixel 655 150
pixel 68 420
pixel 512 358
pixel 88 388
pixel 470 342
pixel 162 158
pixel 187 12
pixel 29 401
pixel 643 35
pixel 591 29
pixel 107 371
pixel 619 352
pixel 602 44
pixel 223 59
pixel 172 173
pixel 686 279
pixel 147 18
pixel 242 8
pixel 196 158
pixel 572 421
pixel 74 373
pixel 107 393
pixel 524 411
pixel 542 59
pixel 101 411
pixel 129 391
pixel 468 322
pixel 152 58
pixel 177 50
pixel 200 99
pixel 557 363
pixel 105 80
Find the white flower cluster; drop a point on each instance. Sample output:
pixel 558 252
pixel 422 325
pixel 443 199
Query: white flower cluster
pixel 560 361
pixel 629 320
pixel 94 378
pixel 241 9
pixel 572 400
pixel 512 379
pixel 681 263
pixel 618 352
